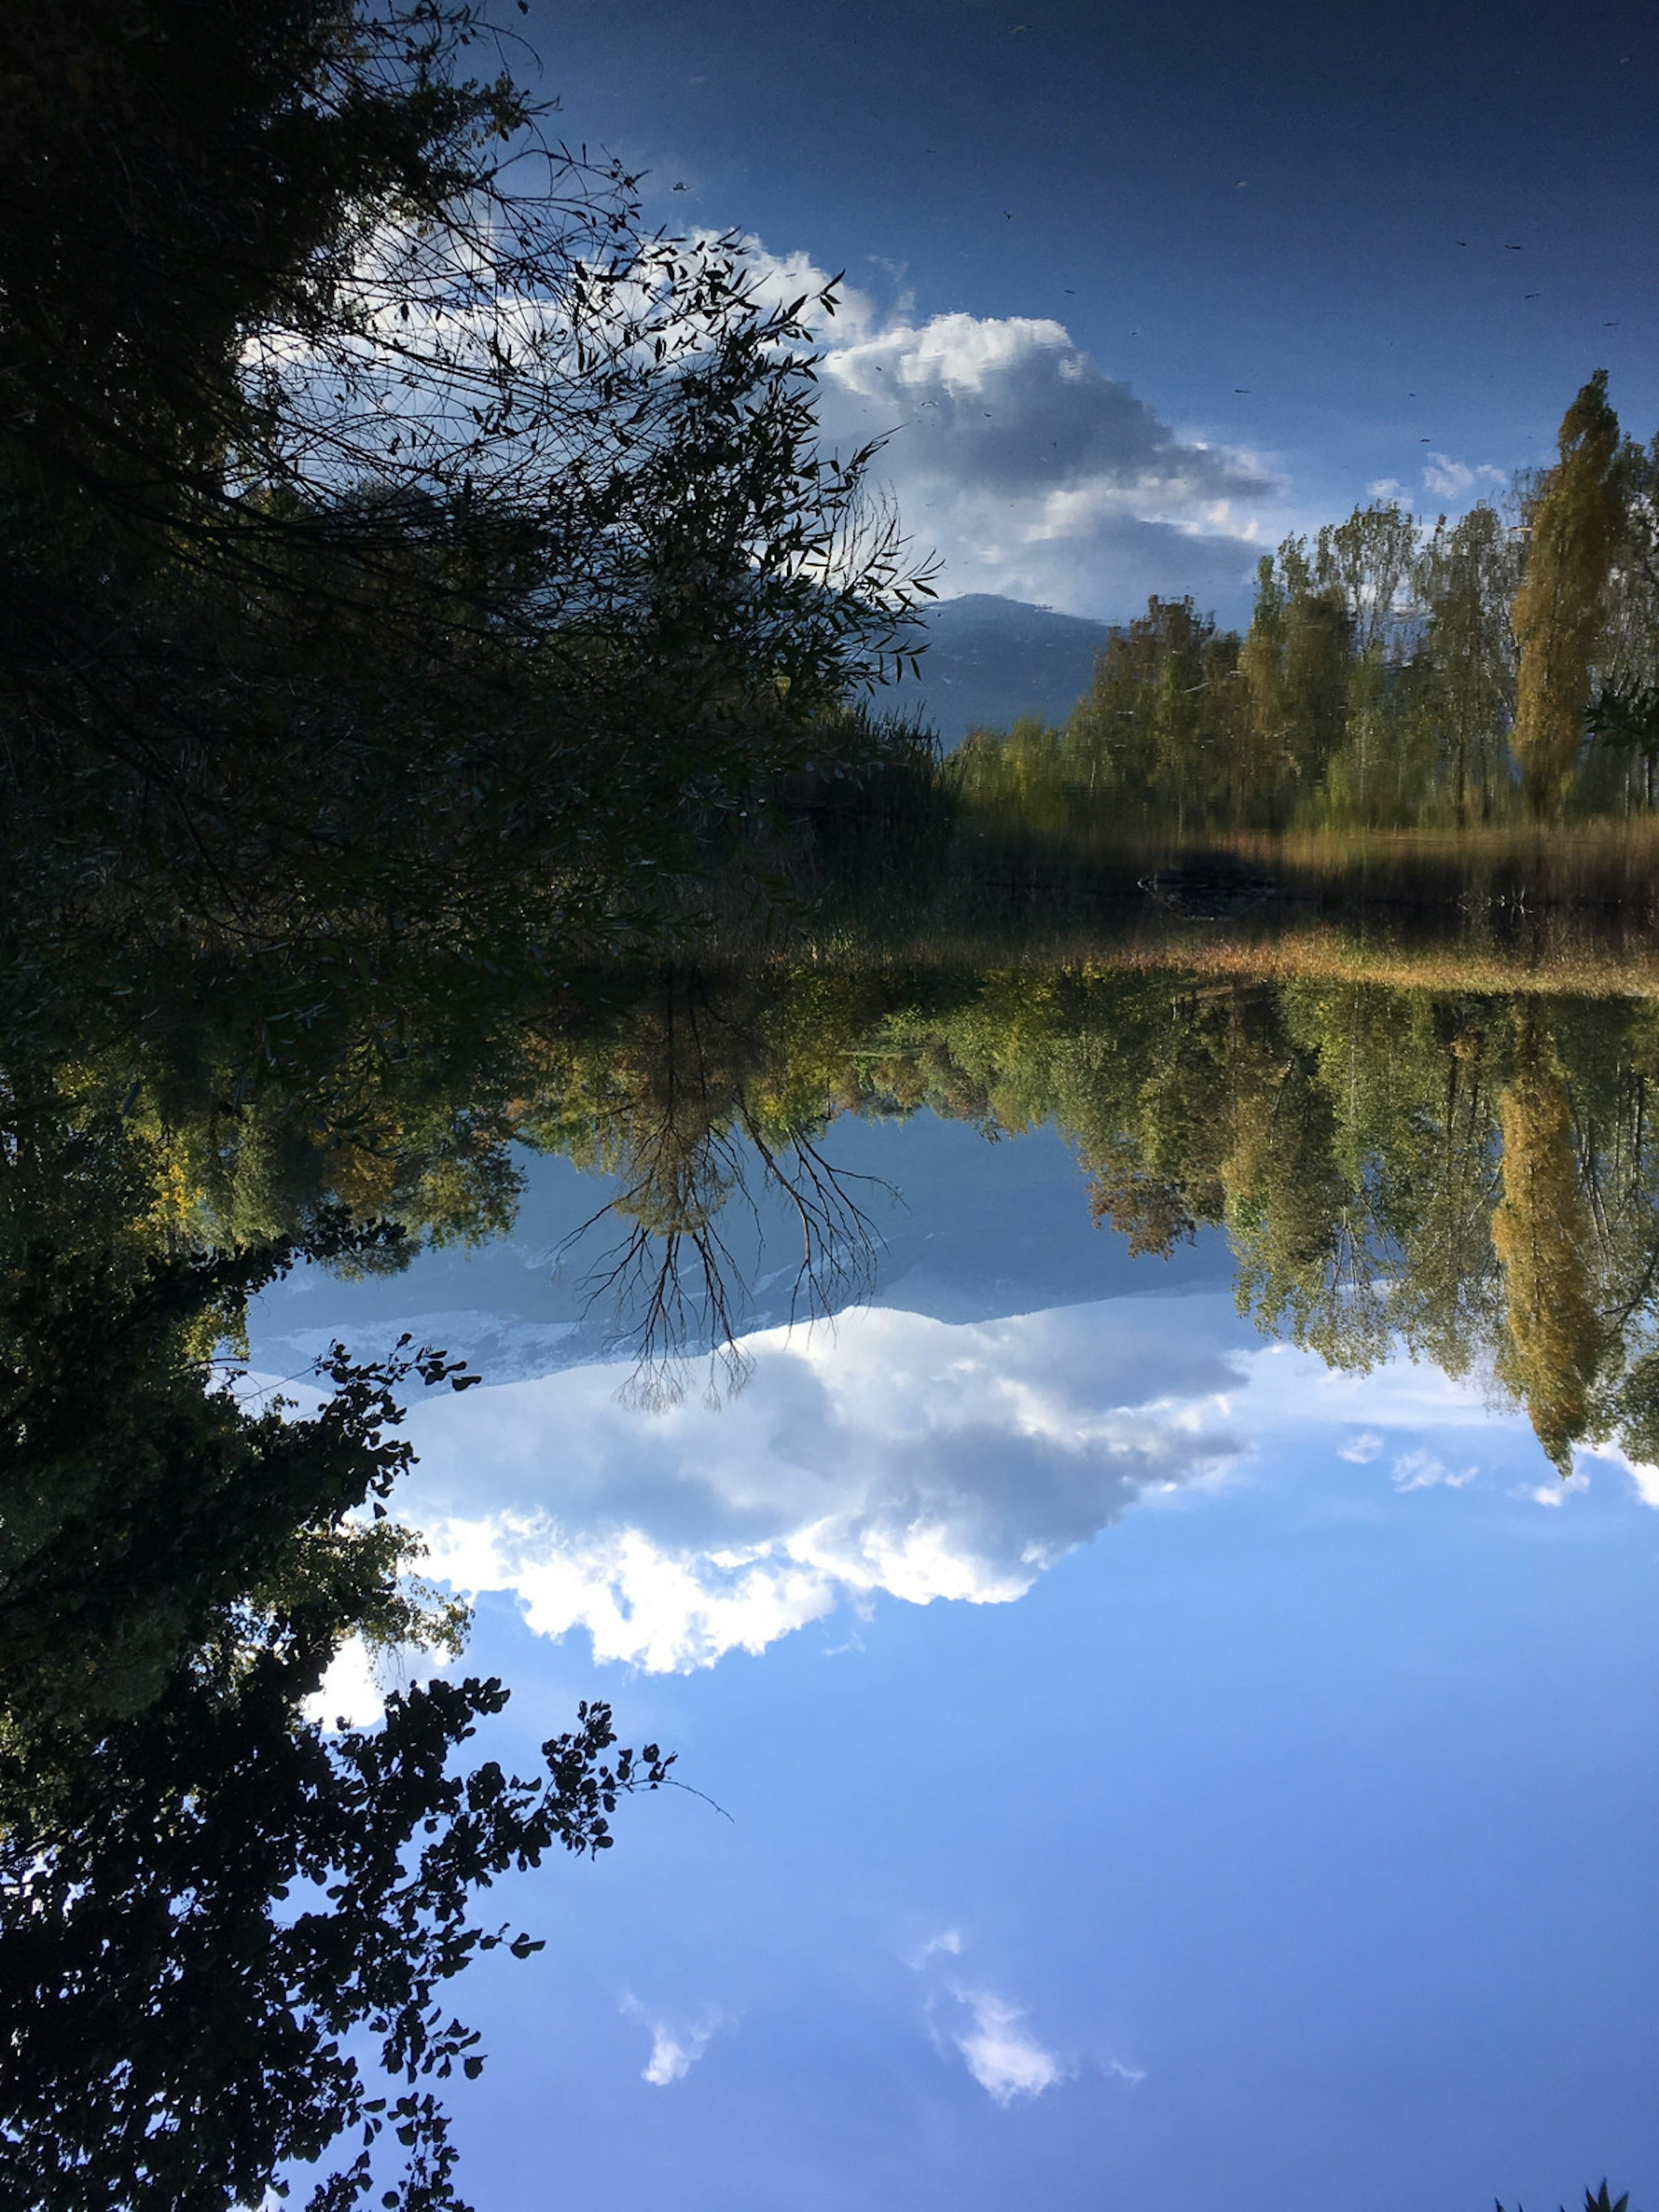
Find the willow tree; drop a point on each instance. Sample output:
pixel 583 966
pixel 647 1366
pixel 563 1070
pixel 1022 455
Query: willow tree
pixel 1575 517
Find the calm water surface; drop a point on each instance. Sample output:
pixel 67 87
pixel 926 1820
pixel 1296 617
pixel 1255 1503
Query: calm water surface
pixel 1153 1763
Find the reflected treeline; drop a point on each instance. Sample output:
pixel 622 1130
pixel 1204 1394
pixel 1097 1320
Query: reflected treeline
pixel 1393 673
pixel 1473 1178
pixel 1470 1173
pixel 224 1932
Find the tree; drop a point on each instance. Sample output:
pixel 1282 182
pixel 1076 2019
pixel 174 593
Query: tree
pixel 146 1510
pixel 386 505
pixel 1367 561
pixel 1295 664
pixel 1574 519
pixel 1145 729
pixel 1541 1233
pixel 201 1894
pixel 1465 581
pixel 1624 714
pixel 225 1895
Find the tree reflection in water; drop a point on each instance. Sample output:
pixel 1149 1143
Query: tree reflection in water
pixel 205 1892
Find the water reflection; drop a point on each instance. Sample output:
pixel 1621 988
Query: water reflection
pixel 893 1455
pixel 1467 1175
pixel 1383 1173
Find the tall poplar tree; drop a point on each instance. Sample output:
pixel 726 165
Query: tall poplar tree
pixel 1541 1233
pixel 1559 609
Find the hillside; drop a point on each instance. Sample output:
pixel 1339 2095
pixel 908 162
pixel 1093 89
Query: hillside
pixel 991 659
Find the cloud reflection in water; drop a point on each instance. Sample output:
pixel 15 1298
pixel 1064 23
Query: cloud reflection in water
pixel 894 1454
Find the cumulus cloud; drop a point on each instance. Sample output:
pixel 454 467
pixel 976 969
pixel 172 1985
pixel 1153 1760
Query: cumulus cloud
pixel 1456 479
pixel 896 1455
pixel 1363 1448
pixel 674 2050
pixel 1001 2053
pixel 1032 471
pixel 1421 1470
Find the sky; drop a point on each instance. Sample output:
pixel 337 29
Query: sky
pixel 1169 280
pixel 1147 1766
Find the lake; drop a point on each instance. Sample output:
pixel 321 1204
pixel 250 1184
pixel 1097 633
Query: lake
pixel 1180 1721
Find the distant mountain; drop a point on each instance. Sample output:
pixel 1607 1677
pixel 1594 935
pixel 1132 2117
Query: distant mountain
pixel 963 1230
pixel 991 659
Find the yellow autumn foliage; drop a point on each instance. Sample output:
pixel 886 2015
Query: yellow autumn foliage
pixel 1541 1233
pixel 1559 611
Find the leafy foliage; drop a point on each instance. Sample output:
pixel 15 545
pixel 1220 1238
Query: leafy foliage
pixel 1599 2201
pixel 227 1899
pixel 393 522
pixel 1558 611
pixel 203 1896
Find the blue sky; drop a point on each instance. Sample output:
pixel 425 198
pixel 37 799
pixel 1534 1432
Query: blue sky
pixel 1160 1770
pixel 1324 247
pixel 1290 1850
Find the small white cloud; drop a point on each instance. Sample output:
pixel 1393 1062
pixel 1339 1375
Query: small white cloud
pixel 1115 2070
pixel 1363 1448
pixel 1448 477
pixel 1386 488
pixel 674 2050
pixel 1558 1493
pixel 1454 479
pixel 1421 1470
pixel 1002 2054
pixel 948 1940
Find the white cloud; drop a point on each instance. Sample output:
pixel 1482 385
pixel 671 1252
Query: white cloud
pixel 949 1942
pixel 354 1690
pixel 1557 1493
pixel 1643 1477
pixel 895 1455
pixel 350 1691
pixel 1455 479
pixel 1029 470
pixel 1002 2054
pixel 1286 1393
pixel 674 2050
pixel 1363 1448
pixel 1421 1470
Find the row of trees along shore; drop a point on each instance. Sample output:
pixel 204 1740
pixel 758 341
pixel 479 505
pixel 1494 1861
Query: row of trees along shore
pixel 1393 674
